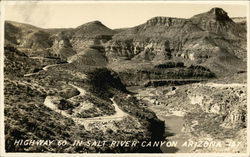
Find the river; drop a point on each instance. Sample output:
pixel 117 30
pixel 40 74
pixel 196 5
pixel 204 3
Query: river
pixel 173 122
pixel 174 133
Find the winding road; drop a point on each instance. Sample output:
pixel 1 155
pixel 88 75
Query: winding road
pixel 44 68
pixel 219 85
pixel 119 114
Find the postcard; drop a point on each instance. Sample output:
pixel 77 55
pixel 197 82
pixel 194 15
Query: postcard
pixel 124 78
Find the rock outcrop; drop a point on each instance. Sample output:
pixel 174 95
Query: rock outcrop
pixel 210 39
pixel 231 104
pixel 206 39
pixel 152 50
pixel 62 46
pixel 217 21
pixel 164 74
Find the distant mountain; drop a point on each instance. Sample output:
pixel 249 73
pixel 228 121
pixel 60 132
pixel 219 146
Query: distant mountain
pixel 203 39
pixel 92 33
pixel 217 21
pixel 118 30
pixel 240 21
pixel 56 42
pixel 92 29
pixel 16 32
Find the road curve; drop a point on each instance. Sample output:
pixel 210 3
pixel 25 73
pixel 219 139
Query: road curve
pixel 119 114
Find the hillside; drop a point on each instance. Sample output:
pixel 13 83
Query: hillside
pixel 157 40
pixel 92 29
pixel 98 84
pixel 71 87
pixel 203 39
pixel 217 21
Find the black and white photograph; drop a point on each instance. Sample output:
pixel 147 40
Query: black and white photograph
pixel 158 77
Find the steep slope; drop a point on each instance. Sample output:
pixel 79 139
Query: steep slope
pixel 50 98
pixel 217 21
pixel 88 40
pixel 204 39
pixel 232 35
pixel 90 57
pixel 211 111
pixel 207 39
pixel 160 34
pixel 62 46
pixel 16 32
pixel 31 40
pixel 92 29
pixel 26 107
pixel 92 33
pixel 37 40
pixel 61 43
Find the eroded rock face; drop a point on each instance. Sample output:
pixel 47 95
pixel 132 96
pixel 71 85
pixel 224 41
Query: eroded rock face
pixel 217 21
pixel 37 40
pixel 151 50
pixel 60 41
pixel 160 38
pixel 227 101
pixel 160 50
pixel 62 46
pixel 166 21
pixel 219 14
pixel 156 76
pixel 210 39
pixel 200 39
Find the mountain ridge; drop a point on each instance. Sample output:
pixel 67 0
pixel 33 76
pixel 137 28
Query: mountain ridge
pixel 195 39
pixel 198 39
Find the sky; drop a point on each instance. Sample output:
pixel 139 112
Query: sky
pixel 111 14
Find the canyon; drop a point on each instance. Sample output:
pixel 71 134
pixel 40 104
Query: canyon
pixel 96 83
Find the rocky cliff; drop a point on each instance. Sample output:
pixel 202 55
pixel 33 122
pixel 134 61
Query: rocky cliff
pixel 207 39
pixel 217 21
pixel 203 39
